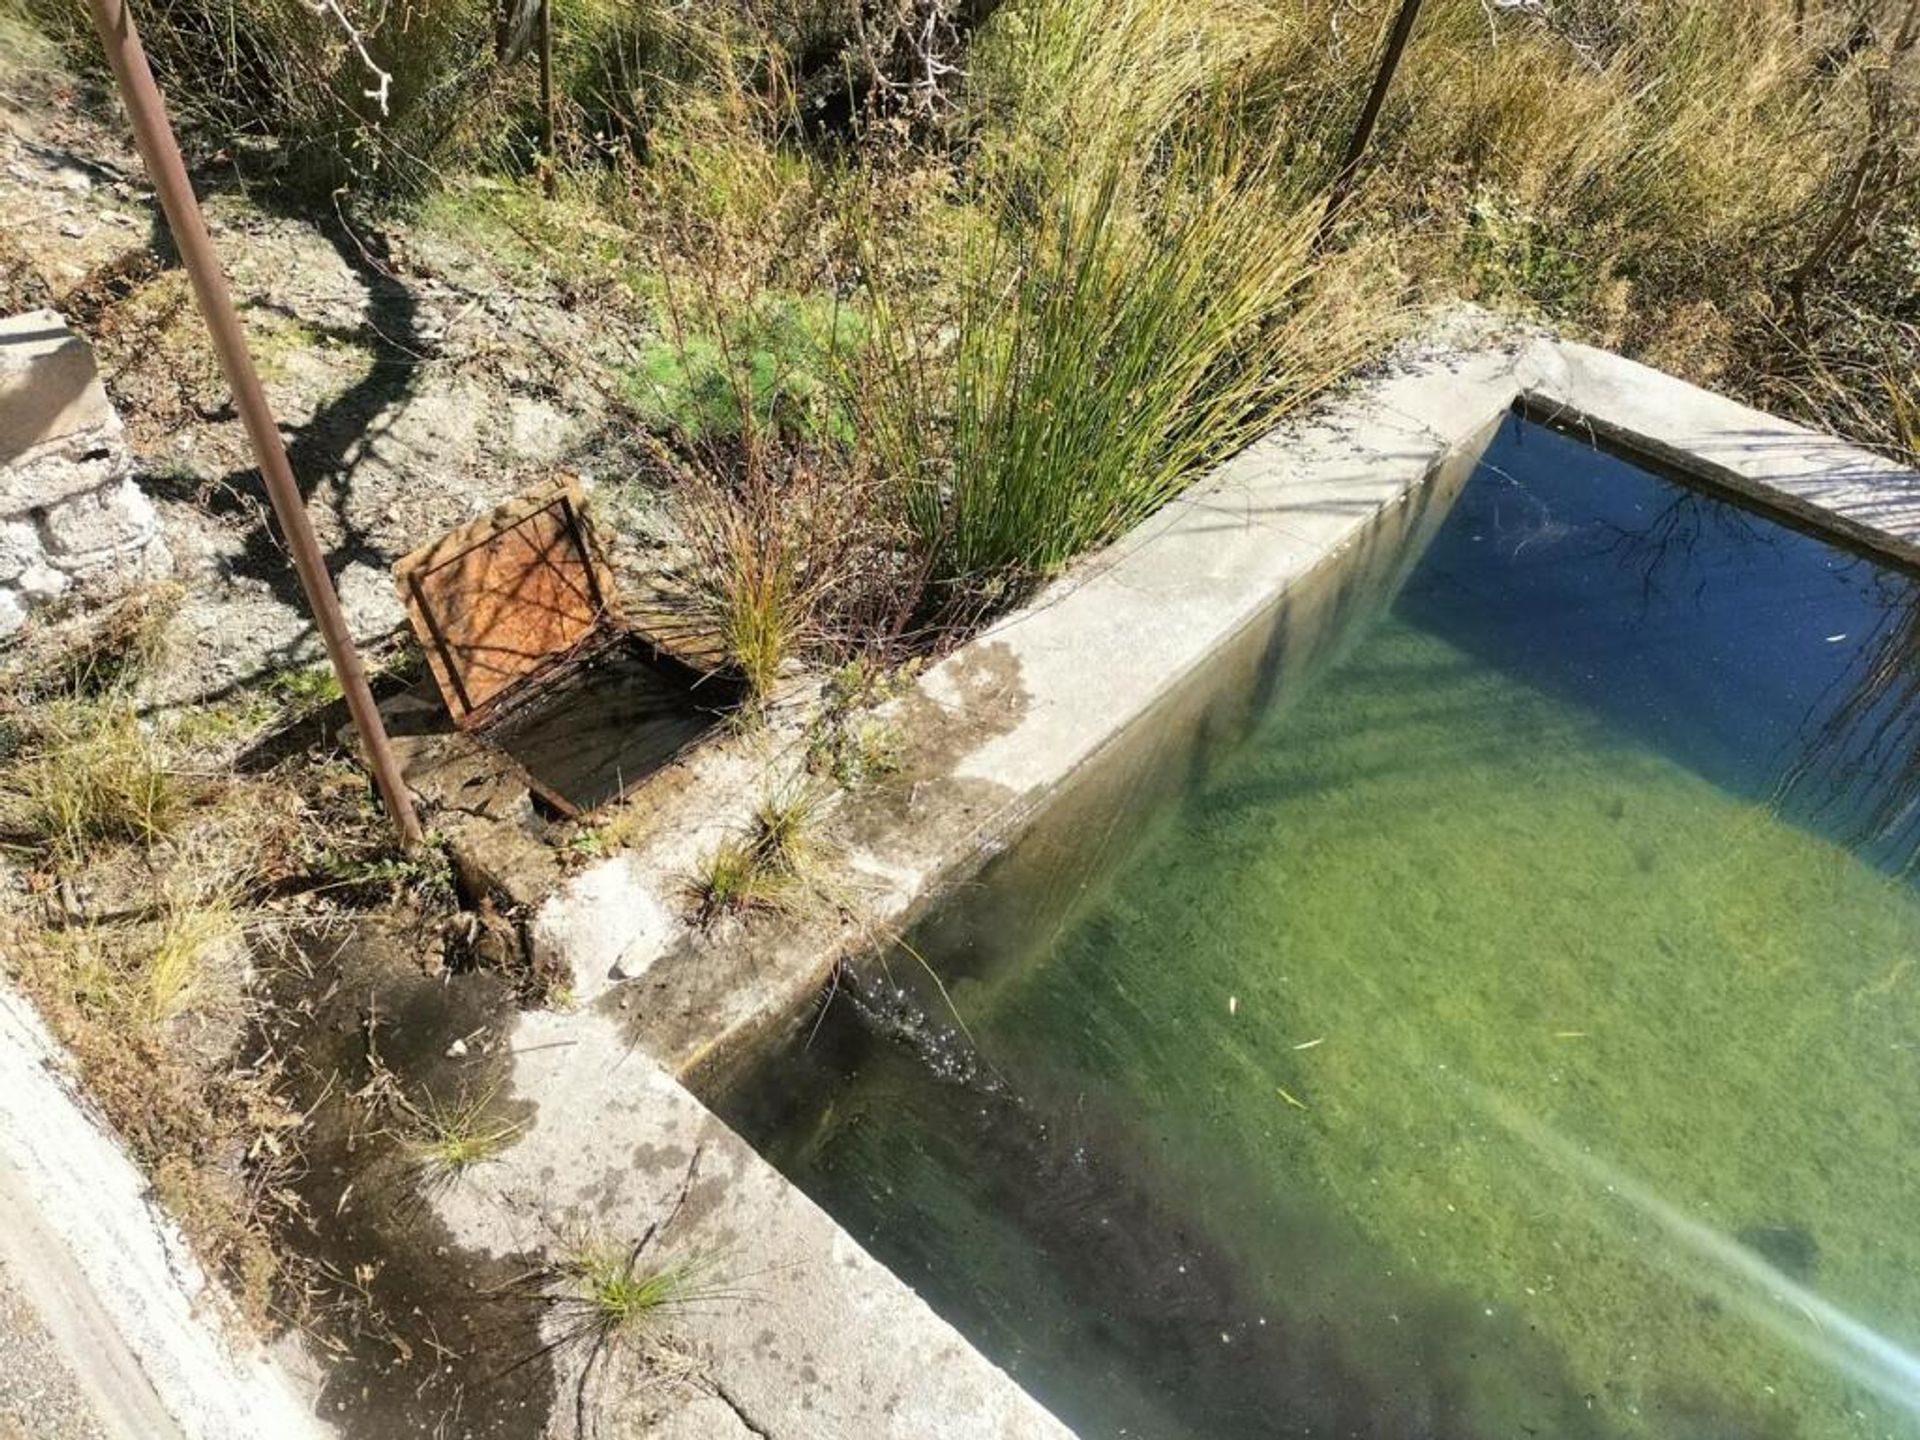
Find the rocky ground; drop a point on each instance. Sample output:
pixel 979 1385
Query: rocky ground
pixel 417 382
pixel 40 1396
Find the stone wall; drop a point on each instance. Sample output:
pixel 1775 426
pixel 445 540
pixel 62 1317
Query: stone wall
pixel 72 519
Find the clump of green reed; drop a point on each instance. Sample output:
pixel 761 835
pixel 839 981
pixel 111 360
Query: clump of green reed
pixel 790 540
pixel 1137 320
pixel 785 835
pixel 754 585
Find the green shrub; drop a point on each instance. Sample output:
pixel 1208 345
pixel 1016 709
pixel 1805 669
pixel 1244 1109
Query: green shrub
pixel 1142 323
pixel 769 366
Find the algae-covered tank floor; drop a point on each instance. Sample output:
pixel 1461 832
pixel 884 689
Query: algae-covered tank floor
pixel 1518 1035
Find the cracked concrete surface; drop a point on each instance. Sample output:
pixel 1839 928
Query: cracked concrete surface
pixel 795 1331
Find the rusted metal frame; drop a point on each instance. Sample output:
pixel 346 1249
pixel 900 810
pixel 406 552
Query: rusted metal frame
pixel 1363 128
pixel 526 690
pixel 153 135
pixel 439 640
pixel 593 648
pixel 584 540
pixel 570 554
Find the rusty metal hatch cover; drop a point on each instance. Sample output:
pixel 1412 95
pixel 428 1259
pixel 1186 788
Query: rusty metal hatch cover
pixel 515 611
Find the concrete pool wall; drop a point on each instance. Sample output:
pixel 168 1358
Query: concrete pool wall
pixel 1149 656
pixel 1180 626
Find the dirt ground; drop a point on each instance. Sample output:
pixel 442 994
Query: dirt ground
pixel 417 383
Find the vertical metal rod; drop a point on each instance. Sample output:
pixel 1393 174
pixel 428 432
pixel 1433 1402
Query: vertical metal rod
pixel 154 136
pixel 546 97
pixel 1369 116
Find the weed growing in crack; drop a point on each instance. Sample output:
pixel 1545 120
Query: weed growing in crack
pixel 768 866
pixel 608 1295
pixel 786 827
pixel 846 743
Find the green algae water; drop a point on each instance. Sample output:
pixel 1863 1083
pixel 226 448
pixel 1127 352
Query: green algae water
pixel 1518 1034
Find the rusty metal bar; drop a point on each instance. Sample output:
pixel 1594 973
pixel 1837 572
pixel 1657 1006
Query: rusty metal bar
pixel 1369 116
pixel 154 136
pixel 547 176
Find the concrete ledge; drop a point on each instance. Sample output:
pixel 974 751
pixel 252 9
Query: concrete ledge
pixel 810 1339
pixel 112 1277
pixel 1804 475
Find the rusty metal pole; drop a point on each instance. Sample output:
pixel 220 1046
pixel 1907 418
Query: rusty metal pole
pixel 546 98
pixel 1369 117
pixel 154 136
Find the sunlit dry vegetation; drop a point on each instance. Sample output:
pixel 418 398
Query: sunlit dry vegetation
pixel 152 879
pixel 931 296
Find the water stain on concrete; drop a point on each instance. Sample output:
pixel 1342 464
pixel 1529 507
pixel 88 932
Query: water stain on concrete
pixel 429 1338
pixel 924 817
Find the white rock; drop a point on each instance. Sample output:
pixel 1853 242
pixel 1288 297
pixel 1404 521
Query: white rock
pixel 12 613
pixel 537 433
pixel 113 518
pixel 19 548
pixel 60 470
pixel 41 583
pixel 606 921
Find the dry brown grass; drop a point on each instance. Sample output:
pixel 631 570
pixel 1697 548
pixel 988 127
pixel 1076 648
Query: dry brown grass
pixel 89 774
pixel 145 891
pixel 150 1012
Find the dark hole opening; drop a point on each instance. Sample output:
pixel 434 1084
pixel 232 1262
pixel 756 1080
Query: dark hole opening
pixel 587 733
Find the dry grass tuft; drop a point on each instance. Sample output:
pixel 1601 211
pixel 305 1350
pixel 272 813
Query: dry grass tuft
pixel 89 773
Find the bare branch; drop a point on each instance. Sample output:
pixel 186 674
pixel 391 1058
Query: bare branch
pixel 383 82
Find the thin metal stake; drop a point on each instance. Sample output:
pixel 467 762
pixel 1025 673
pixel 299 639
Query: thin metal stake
pixel 1369 117
pixel 546 98
pixel 154 136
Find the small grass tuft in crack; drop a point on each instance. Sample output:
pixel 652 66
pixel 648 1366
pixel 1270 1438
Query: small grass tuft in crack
pixel 609 1295
pixel 448 1140
pixel 768 866
pixel 734 878
pixel 786 827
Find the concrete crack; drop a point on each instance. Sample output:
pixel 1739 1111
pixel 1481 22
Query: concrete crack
pixel 732 1402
